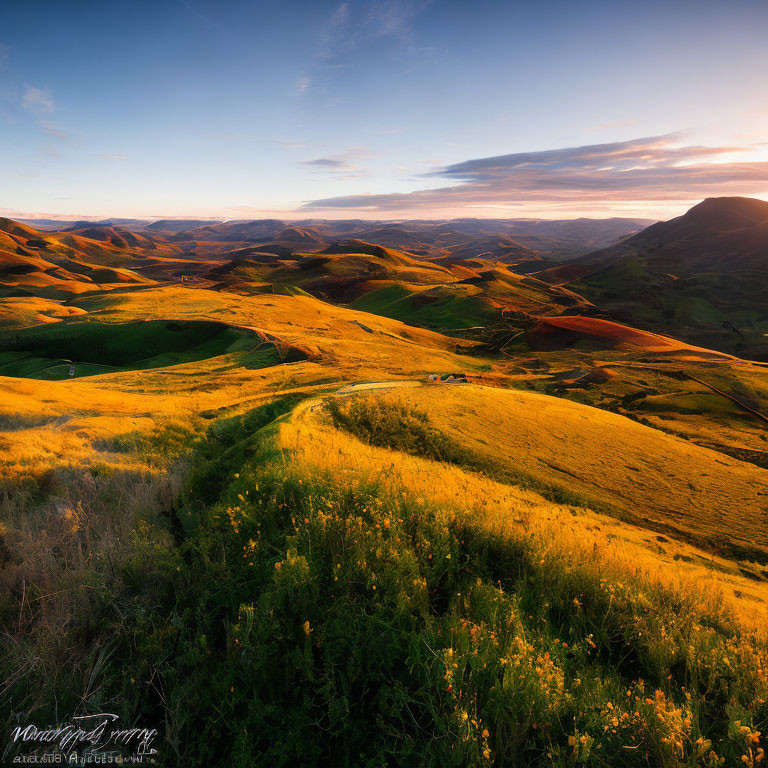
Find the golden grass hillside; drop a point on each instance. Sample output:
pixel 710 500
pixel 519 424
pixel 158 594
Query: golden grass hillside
pixel 360 343
pixel 575 533
pixel 26 311
pixel 638 472
pixel 673 395
pixel 204 526
pixel 44 424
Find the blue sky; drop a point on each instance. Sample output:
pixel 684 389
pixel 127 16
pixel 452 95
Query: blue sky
pixel 380 108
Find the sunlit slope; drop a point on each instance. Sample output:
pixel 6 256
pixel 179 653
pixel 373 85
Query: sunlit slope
pixel 60 264
pixel 671 391
pixel 26 311
pixel 87 423
pixel 638 472
pixel 24 272
pixel 74 422
pixel 386 282
pixel 565 331
pixel 340 273
pixel 478 299
pixel 106 246
pixel 361 344
pixel 576 534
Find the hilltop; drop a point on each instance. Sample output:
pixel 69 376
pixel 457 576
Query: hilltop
pixel 717 233
pixel 701 277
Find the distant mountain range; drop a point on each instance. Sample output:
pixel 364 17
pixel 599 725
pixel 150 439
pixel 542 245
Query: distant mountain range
pixel 503 239
pixel 701 277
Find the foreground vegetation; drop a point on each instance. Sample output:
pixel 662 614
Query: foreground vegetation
pixel 274 614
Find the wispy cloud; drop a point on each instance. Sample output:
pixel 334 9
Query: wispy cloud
pixel 658 168
pixel 52 129
pixel 37 100
pixel 333 35
pixel 40 103
pixel 329 162
pixel 200 15
pixel 394 18
pixel 356 23
pixel 344 163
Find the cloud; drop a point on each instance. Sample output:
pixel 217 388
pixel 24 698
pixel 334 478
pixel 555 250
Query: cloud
pixel 343 169
pixel 649 169
pixel 333 35
pixel 355 24
pixel 37 100
pixel 342 163
pixel 52 129
pixel 358 21
pixel 393 18
pixel 205 19
pixel 328 162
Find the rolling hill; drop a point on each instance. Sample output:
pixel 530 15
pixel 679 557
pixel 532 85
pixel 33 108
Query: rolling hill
pixel 367 276
pixel 507 239
pixel 226 466
pixel 606 461
pixel 702 277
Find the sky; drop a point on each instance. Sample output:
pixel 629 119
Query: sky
pixel 380 108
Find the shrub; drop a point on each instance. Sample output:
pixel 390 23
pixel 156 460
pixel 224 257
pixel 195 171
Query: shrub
pixel 396 426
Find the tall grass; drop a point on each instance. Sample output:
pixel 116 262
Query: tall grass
pixel 403 427
pixel 68 541
pixel 295 619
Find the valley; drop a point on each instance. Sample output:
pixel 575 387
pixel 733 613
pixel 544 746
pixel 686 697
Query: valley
pixel 224 449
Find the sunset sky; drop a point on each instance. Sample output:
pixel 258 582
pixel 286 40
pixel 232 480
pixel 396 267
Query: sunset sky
pixel 381 108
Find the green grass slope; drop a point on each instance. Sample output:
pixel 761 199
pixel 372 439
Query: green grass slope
pixel 284 619
pixel 47 352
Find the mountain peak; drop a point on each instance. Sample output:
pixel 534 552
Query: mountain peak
pixel 728 213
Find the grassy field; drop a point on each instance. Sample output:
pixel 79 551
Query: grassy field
pixel 219 534
pixel 94 348
pixel 309 597
pixel 636 472
pixel 456 474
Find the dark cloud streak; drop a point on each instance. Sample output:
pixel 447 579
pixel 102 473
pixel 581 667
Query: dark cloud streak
pixel 327 162
pixel 647 169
